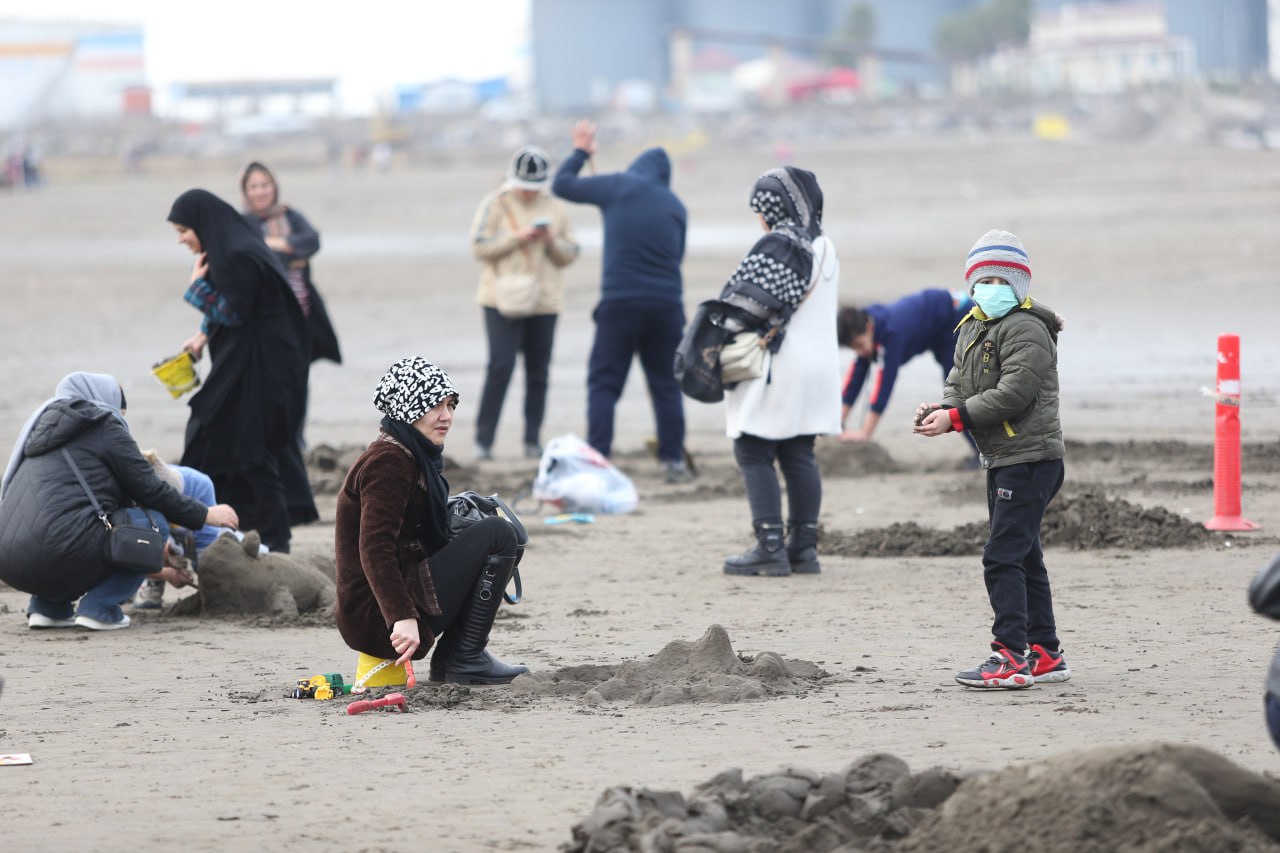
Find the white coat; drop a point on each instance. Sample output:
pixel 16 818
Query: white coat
pixel 799 393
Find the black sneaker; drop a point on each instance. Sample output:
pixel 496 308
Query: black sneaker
pixel 1004 668
pixel 1047 667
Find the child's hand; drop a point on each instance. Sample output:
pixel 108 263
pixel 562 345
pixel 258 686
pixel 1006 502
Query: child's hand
pixel 924 409
pixel 935 423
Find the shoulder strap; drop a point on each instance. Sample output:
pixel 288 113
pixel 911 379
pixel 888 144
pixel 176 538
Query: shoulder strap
pixel 515 226
pixel 75 469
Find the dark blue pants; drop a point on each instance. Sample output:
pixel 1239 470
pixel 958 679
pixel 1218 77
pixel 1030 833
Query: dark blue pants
pixel 1012 561
pixel 530 337
pixel 1273 717
pixel 625 329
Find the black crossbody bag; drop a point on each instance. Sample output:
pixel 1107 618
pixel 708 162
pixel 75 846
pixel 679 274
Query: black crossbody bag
pixel 135 536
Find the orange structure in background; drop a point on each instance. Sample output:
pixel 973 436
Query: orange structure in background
pixel 1226 441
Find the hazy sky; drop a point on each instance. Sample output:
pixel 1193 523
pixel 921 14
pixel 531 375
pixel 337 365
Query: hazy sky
pixel 396 41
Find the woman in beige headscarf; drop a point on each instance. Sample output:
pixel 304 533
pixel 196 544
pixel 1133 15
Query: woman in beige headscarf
pixel 521 236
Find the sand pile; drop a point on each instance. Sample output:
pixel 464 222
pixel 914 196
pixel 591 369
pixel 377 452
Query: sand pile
pixel 1084 521
pixel 855 459
pixel 235 580
pixel 707 671
pixel 1158 797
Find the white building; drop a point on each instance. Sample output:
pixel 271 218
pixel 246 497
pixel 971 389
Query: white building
pixel 1092 48
pixel 67 71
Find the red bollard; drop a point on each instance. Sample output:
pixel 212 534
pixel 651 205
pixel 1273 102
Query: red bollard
pixel 1226 441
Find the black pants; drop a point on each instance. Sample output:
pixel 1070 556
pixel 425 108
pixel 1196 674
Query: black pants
pixel 455 568
pixel 755 457
pixel 1012 561
pixel 532 338
pixel 625 329
pixel 258 496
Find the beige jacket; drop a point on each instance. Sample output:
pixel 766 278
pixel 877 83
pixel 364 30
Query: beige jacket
pixel 494 242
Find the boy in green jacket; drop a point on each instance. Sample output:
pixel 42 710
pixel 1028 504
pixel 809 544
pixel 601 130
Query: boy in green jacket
pixel 1003 389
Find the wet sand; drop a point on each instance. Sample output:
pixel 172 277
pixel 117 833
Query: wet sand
pixel 175 731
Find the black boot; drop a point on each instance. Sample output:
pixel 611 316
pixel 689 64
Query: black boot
pixel 802 548
pixel 767 558
pixel 440 655
pixel 470 663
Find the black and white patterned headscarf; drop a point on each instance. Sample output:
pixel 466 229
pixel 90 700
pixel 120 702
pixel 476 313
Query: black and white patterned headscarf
pixel 774 277
pixel 412 387
pixel 408 390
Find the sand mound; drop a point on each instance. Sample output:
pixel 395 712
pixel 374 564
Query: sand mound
pixel 855 459
pixel 1081 522
pixel 707 671
pixel 235 580
pixel 1256 457
pixel 1160 797
pixel 1156 797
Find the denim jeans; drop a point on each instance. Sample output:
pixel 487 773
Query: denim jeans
pixel 102 602
pixel 1013 563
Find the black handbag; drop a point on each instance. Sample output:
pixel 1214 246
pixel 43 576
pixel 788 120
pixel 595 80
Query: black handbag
pixel 466 508
pixel 135 536
pixel 697 360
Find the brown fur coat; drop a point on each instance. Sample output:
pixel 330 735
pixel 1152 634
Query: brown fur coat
pixel 382 569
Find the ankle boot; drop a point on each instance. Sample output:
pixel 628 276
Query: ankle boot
pixel 802 548
pixel 470 663
pixel 767 558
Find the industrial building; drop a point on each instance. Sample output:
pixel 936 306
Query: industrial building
pixel 679 54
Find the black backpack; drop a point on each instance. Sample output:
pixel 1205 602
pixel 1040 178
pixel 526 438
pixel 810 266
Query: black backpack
pixel 697 361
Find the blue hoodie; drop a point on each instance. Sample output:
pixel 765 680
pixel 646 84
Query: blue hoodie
pixel 906 328
pixel 644 225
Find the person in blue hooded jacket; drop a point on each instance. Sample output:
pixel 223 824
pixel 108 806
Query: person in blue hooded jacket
pixel 641 308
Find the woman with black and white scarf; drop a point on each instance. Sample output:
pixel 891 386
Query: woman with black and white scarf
pixel 787 284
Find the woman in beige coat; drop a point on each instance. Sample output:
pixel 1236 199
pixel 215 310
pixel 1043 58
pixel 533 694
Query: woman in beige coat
pixel 521 237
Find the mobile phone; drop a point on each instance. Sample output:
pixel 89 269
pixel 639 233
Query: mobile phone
pixel 542 223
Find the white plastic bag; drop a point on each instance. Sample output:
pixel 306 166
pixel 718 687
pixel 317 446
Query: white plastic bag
pixel 576 478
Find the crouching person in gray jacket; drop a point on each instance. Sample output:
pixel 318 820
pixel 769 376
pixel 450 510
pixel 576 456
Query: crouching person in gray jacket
pixel 1264 596
pixel 52 543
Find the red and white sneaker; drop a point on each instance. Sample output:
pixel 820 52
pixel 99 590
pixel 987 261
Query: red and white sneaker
pixel 1004 668
pixel 1047 667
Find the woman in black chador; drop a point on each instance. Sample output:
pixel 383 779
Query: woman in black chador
pixel 245 419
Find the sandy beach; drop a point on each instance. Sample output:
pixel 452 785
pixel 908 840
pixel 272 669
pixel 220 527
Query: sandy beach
pixel 175 731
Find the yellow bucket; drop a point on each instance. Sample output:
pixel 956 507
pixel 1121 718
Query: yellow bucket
pixel 391 675
pixel 178 374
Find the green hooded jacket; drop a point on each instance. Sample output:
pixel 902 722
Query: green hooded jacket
pixel 1005 384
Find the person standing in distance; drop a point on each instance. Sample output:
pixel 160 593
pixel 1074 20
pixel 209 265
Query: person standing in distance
pixel 641 308
pixel 520 230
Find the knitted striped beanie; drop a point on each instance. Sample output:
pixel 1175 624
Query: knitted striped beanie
pixel 999 253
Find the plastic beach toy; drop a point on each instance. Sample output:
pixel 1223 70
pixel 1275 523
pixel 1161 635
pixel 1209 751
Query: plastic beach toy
pixel 177 374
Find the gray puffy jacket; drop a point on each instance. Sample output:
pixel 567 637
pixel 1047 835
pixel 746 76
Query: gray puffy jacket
pixel 51 541
pixel 1005 384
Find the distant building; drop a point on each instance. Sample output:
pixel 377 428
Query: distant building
pixel 67 71
pixel 1230 36
pixel 1086 48
pixel 594 54
pixel 1105 48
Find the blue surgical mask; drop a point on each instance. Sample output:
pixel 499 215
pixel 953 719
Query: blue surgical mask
pixel 995 300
